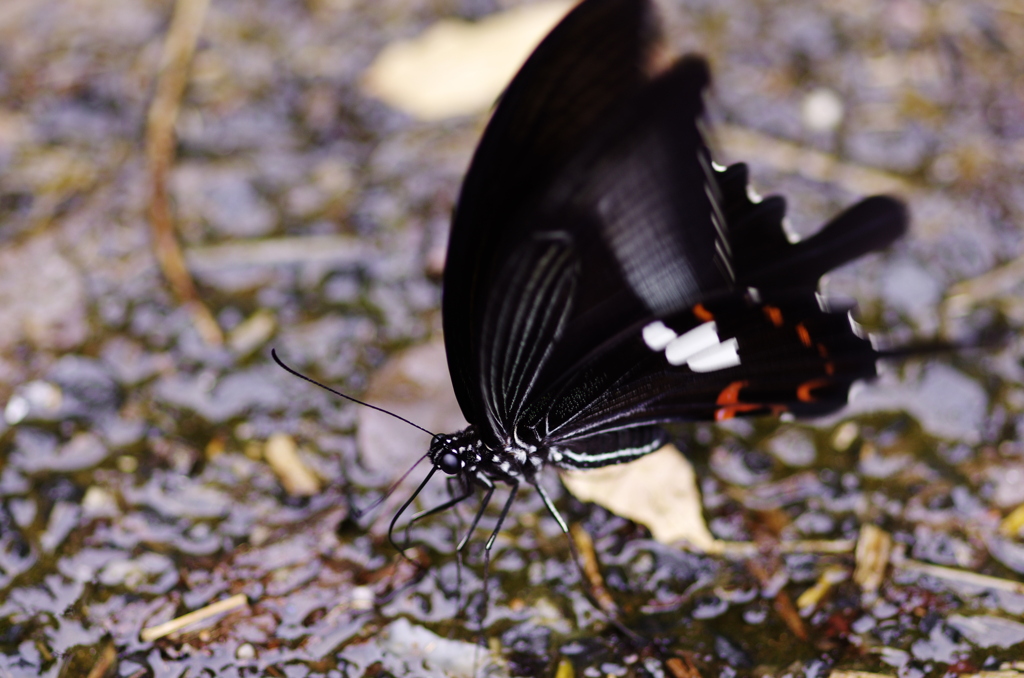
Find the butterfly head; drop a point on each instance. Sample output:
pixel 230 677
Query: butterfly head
pixel 456 453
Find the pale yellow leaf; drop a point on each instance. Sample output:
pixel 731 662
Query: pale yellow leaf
pixel 459 68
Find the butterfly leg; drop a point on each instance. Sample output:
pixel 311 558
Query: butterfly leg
pixel 467 492
pixel 489 487
pixel 394 521
pixel 551 507
pixel 504 512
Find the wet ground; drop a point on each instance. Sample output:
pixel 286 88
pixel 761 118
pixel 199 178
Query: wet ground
pixel 136 478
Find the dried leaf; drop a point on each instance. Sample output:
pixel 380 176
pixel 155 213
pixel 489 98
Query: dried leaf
pixel 658 491
pixel 459 68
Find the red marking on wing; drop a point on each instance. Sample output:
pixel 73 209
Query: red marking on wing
pixel 723 413
pixel 702 313
pixel 730 397
pixel 803 391
pixel 805 336
pixel 774 314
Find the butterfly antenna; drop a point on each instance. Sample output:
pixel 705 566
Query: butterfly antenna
pixel 286 368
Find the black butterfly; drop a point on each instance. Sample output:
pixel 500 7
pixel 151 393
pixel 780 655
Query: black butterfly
pixel 605 277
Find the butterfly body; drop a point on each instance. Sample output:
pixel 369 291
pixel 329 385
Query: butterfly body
pixel 605 277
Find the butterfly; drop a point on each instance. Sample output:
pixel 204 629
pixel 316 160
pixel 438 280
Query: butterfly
pixel 605 277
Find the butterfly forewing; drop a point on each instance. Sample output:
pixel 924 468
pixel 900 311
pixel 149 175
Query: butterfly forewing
pixel 523 324
pixel 596 58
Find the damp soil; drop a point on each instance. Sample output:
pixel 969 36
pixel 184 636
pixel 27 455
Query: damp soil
pixel 136 482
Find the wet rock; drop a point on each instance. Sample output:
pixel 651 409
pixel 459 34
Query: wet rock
pixel 34 453
pixel 793 448
pixel 739 467
pixel 69 633
pixel 419 648
pixel 941 645
pixel 222 198
pixel 731 653
pixel 129 363
pixel 34 400
pixel 42 298
pixel 709 607
pixel 175 496
pixel 988 631
pixel 251 127
pixel 64 517
pixel 528 649
pixel 1008 552
pixel 220 399
pixel 945 401
pixel 910 289
pixel 87 387
pixel 903 150
pixel 936 546
pixel 147 573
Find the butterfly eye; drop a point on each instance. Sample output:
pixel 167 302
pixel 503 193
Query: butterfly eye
pixel 449 463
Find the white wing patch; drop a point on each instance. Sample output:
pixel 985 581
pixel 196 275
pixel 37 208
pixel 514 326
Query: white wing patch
pixel 700 338
pixel 716 358
pixel 657 336
pixel 753 196
pixel 700 349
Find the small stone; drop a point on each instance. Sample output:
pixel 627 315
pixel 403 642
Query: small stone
pixel 822 110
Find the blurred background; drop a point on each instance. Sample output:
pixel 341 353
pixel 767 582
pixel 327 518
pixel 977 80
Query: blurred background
pixel 153 460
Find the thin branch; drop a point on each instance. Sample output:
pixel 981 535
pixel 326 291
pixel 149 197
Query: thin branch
pixel 163 113
pixel 152 633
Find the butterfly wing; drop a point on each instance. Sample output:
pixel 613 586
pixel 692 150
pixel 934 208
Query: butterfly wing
pixel 767 350
pixel 632 219
pixel 591 211
pixel 598 56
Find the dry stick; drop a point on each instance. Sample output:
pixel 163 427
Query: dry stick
pixel 108 655
pixel 962 576
pixel 152 633
pixel 592 570
pixel 163 112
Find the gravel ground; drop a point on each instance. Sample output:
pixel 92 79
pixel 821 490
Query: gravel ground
pixel 137 462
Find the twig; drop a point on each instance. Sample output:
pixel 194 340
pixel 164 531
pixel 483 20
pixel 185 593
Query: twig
pixel 296 478
pixel 787 156
pixel 591 569
pixel 108 655
pixel 748 549
pixel 809 600
pixel 873 551
pixel 163 112
pixel 962 576
pixel 152 633
pixel 999 282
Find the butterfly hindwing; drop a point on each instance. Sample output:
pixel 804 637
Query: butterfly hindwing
pixel 794 354
pixel 727 358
